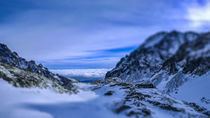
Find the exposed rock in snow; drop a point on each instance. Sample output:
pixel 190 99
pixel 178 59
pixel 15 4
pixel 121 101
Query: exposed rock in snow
pixel 147 101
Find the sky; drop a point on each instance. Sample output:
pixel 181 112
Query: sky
pixel 92 33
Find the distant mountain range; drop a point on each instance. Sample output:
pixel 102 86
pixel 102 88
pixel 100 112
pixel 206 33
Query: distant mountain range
pixel 83 75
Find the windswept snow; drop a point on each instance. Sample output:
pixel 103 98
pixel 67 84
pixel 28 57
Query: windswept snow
pixel 15 102
pixel 154 40
pixel 41 103
pixel 194 90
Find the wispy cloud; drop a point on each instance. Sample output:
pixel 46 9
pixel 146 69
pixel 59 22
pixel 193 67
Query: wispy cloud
pixel 199 14
pixel 82 72
pixel 95 59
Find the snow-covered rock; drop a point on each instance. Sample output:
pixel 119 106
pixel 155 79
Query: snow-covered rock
pixel 146 101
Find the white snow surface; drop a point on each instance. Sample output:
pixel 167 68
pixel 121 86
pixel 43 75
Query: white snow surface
pixel 154 40
pixel 194 90
pixel 202 51
pixel 15 102
pixel 88 103
pixel 42 103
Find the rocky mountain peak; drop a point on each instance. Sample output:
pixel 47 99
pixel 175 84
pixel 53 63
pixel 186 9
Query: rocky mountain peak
pixel 165 54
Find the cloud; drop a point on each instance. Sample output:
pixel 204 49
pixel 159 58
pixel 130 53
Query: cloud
pixel 199 14
pixel 95 59
pixel 82 72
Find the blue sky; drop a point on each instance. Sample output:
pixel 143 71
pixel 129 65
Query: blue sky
pixel 92 33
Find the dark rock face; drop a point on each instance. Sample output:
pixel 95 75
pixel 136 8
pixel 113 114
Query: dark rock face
pixel 165 54
pixel 12 58
pixel 144 86
pixel 193 56
pixel 108 93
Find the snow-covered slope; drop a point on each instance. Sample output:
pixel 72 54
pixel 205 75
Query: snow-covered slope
pixel 26 79
pixel 21 73
pixel 195 90
pixel 21 102
pixel 11 58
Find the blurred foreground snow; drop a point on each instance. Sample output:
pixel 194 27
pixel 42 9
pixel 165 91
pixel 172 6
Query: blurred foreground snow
pixel 42 103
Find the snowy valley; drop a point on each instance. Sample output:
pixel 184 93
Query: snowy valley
pixel 166 77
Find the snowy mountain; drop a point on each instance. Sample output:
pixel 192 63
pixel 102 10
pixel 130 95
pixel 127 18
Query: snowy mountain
pixel 21 73
pixel 166 60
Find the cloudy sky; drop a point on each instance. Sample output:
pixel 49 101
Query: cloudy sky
pixel 92 33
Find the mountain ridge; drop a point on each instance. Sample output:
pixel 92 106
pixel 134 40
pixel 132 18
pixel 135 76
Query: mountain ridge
pixel 11 64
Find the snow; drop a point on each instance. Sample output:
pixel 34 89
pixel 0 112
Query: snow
pixel 41 103
pixel 164 80
pixel 88 103
pixel 15 102
pixel 4 70
pixel 155 40
pixel 194 90
pixel 190 36
pixel 200 52
pixel 25 113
